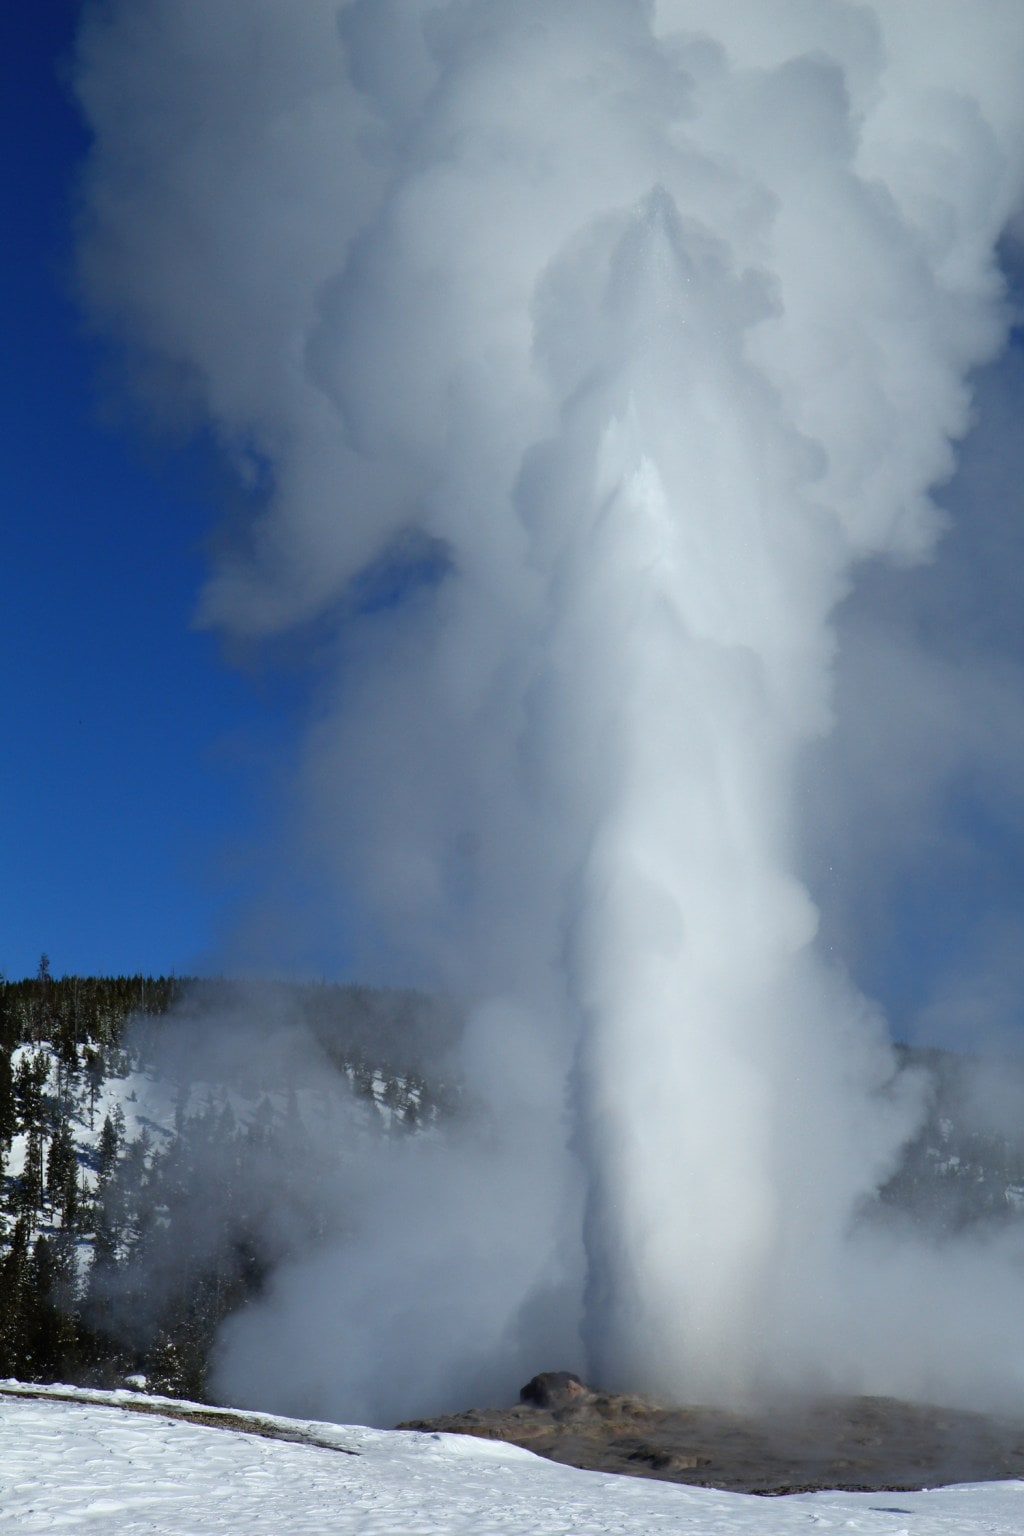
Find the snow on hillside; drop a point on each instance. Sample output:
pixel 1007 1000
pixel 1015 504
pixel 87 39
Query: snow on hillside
pixel 91 1466
pixel 165 1145
pixel 156 1106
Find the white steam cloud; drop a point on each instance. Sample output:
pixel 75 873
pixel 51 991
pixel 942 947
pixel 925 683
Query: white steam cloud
pixel 578 354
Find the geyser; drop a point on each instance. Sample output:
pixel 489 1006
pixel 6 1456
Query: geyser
pixel 620 334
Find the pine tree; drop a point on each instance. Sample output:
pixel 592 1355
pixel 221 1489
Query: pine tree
pixel 8 1108
pixel 164 1366
pixel 30 1185
pixel 12 1299
pixel 27 1092
pixel 43 1011
pixel 103 1270
pixel 62 1170
pixel 40 1325
pixel 109 1147
pixel 65 1269
pixel 94 1074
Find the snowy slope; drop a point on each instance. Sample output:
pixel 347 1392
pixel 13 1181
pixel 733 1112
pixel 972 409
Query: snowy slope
pixel 92 1466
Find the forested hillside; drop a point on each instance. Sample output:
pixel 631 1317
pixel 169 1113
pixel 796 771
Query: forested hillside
pixel 165 1142
pixel 136 1195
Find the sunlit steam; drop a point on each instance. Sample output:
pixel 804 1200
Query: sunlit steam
pixel 603 341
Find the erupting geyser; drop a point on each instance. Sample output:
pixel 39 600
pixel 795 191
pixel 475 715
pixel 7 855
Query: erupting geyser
pixel 612 336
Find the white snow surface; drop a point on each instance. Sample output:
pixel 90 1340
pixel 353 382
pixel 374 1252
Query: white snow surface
pixel 76 1461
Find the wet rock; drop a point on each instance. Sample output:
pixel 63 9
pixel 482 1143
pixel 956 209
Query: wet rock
pixel 554 1389
pixel 868 1443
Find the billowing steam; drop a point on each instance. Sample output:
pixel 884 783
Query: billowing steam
pixel 577 355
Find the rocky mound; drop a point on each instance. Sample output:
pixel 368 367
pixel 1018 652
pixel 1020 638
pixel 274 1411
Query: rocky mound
pixel 851 1443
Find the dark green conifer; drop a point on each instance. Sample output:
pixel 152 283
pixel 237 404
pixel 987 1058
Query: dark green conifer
pixel 109 1147
pixel 30 1185
pixel 12 1299
pixel 8 1108
pixel 62 1169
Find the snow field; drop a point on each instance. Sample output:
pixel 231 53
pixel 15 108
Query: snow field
pixel 88 1465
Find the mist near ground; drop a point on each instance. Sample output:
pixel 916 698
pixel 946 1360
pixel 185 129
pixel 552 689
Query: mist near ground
pixel 594 376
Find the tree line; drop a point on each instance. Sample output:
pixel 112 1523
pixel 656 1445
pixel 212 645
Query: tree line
pixel 122 1252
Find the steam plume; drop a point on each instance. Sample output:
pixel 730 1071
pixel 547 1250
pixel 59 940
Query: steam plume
pixel 612 340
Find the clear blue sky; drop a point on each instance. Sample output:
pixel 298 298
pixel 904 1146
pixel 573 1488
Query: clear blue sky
pixel 133 763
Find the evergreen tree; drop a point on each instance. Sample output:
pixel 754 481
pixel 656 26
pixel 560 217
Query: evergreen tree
pixel 12 1299
pixel 8 1108
pixel 30 1185
pixel 103 1269
pixel 94 1074
pixel 109 1147
pixel 43 1010
pixel 65 1270
pixel 62 1171
pixel 29 1077
pixel 40 1341
pixel 165 1367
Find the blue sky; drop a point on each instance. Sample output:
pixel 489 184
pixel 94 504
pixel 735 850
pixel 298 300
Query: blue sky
pixel 134 764
pixel 145 778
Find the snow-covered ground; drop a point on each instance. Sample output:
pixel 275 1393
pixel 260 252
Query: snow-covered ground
pixel 90 1465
